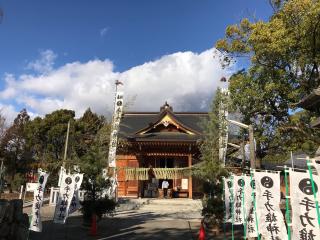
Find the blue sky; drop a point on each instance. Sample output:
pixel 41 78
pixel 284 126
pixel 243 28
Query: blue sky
pixel 39 38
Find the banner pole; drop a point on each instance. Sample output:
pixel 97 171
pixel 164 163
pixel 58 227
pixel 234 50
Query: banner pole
pixel 313 189
pixel 224 208
pixel 287 202
pixel 244 213
pixel 232 208
pixel 254 205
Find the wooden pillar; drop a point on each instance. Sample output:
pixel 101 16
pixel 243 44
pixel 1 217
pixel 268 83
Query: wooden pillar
pixel 190 178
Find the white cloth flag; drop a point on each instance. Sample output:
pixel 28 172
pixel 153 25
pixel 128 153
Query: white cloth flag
pixel 304 212
pixel 118 108
pixel 251 228
pixel 270 218
pixel 228 197
pixel 36 224
pixel 240 201
pixel 75 203
pixel 64 200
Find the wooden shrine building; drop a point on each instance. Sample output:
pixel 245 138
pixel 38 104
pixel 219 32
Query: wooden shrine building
pixel 161 145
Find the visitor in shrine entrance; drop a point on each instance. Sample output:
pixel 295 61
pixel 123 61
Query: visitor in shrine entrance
pixel 165 185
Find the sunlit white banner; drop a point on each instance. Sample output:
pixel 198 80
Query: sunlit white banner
pixel 64 200
pixel 271 222
pixel 36 224
pixel 304 212
pixel 241 201
pixel 115 129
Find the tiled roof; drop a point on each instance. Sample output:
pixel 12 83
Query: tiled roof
pixel 133 122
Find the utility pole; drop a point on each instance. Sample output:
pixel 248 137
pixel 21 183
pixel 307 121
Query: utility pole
pixel 1 173
pixel 66 146
pixel 252 148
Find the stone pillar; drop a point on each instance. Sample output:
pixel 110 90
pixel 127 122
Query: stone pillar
pixel 190 178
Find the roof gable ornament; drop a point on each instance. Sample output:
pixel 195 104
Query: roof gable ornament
pixel 167 122
pixel 166 106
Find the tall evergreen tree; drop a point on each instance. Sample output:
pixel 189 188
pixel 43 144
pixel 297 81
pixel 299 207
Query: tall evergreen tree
pixel 15 152
pixel 211 169
pixel 284 54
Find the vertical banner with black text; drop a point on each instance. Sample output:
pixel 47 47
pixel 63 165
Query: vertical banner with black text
pixel 64 200
pixel 36 224
pixel 118 108
pixel 241 201
pixel 251 226
pixel 228 197
pixel 270 218
pixel 304 211
pixel 75 203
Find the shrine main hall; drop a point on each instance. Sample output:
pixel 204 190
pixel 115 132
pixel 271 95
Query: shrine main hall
pixel 160 145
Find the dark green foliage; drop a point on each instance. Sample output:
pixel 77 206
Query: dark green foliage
pixel 284 55
pixel 210 169
pixel 14 150
pixel 99 207
pixel 91 164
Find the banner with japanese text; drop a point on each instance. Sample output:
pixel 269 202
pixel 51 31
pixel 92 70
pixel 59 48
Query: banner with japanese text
pixel 64 200
pixel 241 201
pixel 118 108
pixel 228 197
pixel 251 225
pixel 304 213
pixel 75 203
pixel 36 224
pixel 271 222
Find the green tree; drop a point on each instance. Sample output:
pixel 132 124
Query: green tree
pixel 284 55
pixel 211 169
pixel 15 152
pixel 92 164
pixel 47 137
pixel 86 129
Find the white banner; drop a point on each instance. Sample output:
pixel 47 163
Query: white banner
pixel 36 224
pixel 64 200
pixel 251 228
pixel 270 218
pixel 75 203
pixel 61 172
pixel 304 212
pixel 228 197
pixel 240 200
pixel 115 128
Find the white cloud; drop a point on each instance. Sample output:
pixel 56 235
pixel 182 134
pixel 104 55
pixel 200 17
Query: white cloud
pixel 104 31
pixel 9 112
pixel 45 63
pixel 186 80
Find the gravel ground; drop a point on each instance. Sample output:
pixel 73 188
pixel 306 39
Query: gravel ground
pixel 155 219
